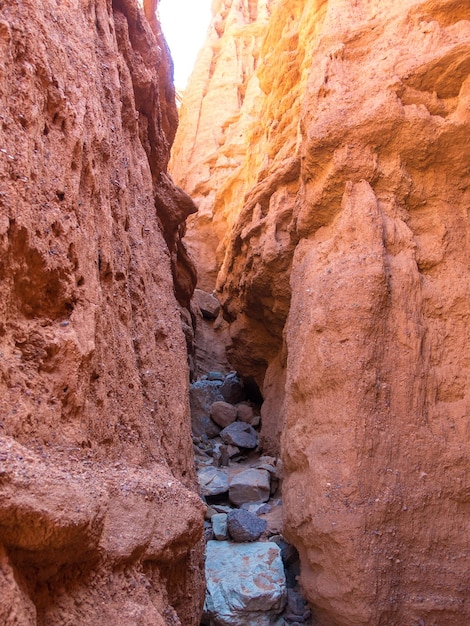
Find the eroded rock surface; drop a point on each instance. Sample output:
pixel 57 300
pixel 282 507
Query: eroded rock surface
pixel 220 104
pixel 344 277
pixel 97 478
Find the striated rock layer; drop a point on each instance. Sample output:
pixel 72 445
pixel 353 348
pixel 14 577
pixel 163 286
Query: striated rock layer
pixel 99 520
pixel 344 276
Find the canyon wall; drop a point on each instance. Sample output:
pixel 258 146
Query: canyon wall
pixel 99 519
pixel 340 239
pixel 220 105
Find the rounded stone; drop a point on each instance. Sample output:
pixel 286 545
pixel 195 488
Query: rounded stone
pixel 245 413
pixel 223 413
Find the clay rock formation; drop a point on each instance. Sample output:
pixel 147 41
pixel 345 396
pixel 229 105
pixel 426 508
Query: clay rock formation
pixel 99 521
pixel 344 276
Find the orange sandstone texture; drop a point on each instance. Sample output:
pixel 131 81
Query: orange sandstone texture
pixel 344 275
pixel 99 520
pixel 220 104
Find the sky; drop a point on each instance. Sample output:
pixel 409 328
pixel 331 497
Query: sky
pixel 184 23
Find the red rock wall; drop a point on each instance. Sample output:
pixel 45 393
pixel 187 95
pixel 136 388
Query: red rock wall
pixel 99 522
pixel 345 279
pixel 377 335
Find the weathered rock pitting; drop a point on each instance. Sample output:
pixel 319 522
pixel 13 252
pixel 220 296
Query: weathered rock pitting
pixel 98 485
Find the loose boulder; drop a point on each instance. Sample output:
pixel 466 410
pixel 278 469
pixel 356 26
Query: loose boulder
pixel 258 508
pixel 245 584
pixel 223 413
pixel 240 434
pixel 251 485
pixel 246 413
pixel 232 389
pixel 219 526
pixel 202 395
pixel 207 303
pixel 213 481
pixel 245 526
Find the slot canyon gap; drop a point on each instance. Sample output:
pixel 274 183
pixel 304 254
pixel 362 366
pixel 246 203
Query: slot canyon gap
pixel 319 186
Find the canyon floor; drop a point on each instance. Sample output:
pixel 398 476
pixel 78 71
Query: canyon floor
pixel 252 574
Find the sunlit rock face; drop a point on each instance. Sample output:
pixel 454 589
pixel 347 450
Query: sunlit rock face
pixel 220 106
pixel 99 519
pixel 343 274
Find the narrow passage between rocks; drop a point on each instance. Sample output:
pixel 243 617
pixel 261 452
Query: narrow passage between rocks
pixel 251 571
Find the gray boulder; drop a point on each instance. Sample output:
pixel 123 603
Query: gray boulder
pixel 245 584
pixel 223 413
pixel 297 604
pixel 202 395
pixel 229 450
pixel 251 485
pixel 232 389
pixel 207 303
pixel 212 480
pixel 219 526
pixel 222 508
pixel 208 532
pixel 258 508
pixel 240 434
pixel 245 526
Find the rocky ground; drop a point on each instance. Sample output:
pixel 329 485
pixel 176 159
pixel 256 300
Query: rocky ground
pixel 251 570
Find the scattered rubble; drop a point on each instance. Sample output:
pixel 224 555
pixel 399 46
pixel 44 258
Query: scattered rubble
pixel 251 570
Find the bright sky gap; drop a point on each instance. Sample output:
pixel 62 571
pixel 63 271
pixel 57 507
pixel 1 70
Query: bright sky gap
pixel 184 24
